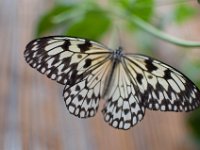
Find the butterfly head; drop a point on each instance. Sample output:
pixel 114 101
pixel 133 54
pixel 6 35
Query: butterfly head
pixel 118 53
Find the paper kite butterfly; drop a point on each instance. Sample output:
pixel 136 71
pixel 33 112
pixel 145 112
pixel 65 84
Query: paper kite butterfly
pixel 129 83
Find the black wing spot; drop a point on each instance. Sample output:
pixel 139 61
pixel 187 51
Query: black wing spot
pixel 73 77
pixel 150 76
pixel 66 45
pixel 79 56
pixel 85 46
pixel 80 97
pixel 139 78
pixel 167 74
pixel 133 105
pixel 149 65
pixel 87 63
pixel 126 111
pixel 77 88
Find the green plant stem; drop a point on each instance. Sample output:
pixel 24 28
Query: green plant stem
pixel 157 33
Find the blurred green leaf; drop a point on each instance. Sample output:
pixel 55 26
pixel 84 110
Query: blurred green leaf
pixel 142 8
pixel 92 25
pixel 87 18
pixel 184 12
pixel 51 19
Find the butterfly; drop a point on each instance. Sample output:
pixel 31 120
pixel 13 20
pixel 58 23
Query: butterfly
pixel 129 83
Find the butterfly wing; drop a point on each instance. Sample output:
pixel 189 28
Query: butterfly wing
pixel 64 59
pixel 161 86
pixel 123 107
pixel 80 64
pixel 82 98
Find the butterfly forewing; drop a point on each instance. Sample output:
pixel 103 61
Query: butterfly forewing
pixel 64 59
pixel 161 86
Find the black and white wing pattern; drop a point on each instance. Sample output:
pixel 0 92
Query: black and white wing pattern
pixel 64 59
pixel 129 83
pixel 123 108
pixel 161 87
pixel 81 65
pixel 82 98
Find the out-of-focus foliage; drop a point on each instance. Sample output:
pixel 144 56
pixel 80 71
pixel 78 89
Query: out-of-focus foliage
pixel 142 8
pixel 96 21
pixel 89 19
pixel 86 18
pixel 53 18
pixel 184 12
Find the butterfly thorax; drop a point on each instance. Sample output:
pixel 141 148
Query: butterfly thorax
pixel 118 53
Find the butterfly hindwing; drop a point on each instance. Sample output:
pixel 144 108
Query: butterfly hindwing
pixel 161 86
pixel 123 108
pixel 82 98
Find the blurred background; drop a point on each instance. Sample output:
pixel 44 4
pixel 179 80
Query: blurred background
pixel 32 110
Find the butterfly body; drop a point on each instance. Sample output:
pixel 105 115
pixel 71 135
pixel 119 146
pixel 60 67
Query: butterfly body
pixel 117 54
pixel 129 83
